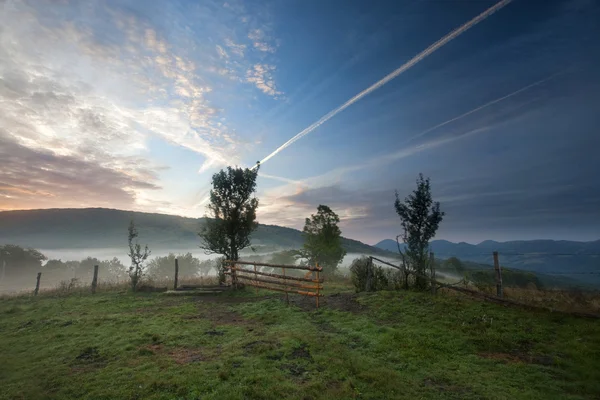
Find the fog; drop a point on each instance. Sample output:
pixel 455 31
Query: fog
pixel 76 265
pixel 119 252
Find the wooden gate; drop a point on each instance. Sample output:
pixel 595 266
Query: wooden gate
pixel 307 285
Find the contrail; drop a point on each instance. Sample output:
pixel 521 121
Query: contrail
pixel 452 35
pixel 418 135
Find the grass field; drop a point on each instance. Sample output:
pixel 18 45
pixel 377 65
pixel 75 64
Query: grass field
pixel 249 345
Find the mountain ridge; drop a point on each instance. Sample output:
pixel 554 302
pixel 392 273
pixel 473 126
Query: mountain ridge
pixel 76 228
pixel 578 260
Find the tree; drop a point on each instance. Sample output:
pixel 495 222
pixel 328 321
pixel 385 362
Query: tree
pixel 233 212
pixel 420 218
pixel 16 260
pixel 138 257
pixel 114 268
pixel 322 239
pixel 164 267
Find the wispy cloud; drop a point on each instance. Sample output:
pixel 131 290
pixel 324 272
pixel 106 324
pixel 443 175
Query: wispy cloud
pixel 258 38
pixel 98 96
pixel 486 105
pixel 261 75
pixel 235 48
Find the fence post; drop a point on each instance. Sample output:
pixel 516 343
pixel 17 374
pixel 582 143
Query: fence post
pixel 287 298
pixel 369 273
pixel 318 283
pixel 432 270
pixel 255 277
pixel 95 279
pixel 176 274
pixel 498 270
pixel 37 284
pixel 233 275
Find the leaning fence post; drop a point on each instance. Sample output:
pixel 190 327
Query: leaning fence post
pixel 95 279
pixel 432 269
pixel 37 284
pixel 318 285
pixel 498 270
pixel 369 274
pixel 176 274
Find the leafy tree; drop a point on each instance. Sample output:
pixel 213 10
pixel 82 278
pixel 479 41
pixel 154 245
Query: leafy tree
pixel 233 212
pixel 55 265
pixel 164 267
pixel 420 218
pixel 284 257
pixel 15 260
pixel 137 255
pixel 322 239
pixel 455 264
pixel 114 268
pixel 85 269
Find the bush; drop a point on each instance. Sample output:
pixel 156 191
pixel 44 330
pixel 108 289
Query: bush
pixel 382 278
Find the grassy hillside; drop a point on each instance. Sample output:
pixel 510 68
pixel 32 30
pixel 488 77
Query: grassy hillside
pixel 385 345
pixel 106 228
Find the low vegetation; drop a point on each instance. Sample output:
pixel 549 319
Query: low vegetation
pixel 250 344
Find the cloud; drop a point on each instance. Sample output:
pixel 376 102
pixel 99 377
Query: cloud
pixel 235 48
pixel 36 178
pixel 222 52
pixel 483 106
pixel 261 76
pixel 97 94
pixel 134 80
pixel 259 41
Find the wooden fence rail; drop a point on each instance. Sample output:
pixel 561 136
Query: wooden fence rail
pixel 276 282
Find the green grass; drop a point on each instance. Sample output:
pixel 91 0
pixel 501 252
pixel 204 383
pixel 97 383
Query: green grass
pixel 251 345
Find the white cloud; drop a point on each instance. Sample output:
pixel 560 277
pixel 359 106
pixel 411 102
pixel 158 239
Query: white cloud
pixel 235 48
pixel 259 41
pixel 261 76
pixel 67 92
pixel 222 52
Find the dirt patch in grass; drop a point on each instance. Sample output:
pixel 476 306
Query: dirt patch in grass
pixel 301 352
pixel 181 355
pixel 293 369
pixel 219 316
pixel 214 332
pixel 88 359
pixel 89 354
pixel 229 299
pixel 187 356
pixel 344 302
pixel 518 357
pixel 444 386
pixel 337 301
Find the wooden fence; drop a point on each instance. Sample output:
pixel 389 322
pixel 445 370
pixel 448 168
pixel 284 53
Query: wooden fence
pixel 306 285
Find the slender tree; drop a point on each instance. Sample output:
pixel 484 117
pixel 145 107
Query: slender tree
pixel 322 239
pixel 137 255
pixel 232 212
pixel 420 218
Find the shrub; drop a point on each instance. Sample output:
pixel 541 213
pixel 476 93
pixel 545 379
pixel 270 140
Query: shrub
pixel 382 278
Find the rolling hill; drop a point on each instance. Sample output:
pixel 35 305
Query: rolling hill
pixel 106 228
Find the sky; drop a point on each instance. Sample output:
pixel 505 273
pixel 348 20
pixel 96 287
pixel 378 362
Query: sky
pixel 134 105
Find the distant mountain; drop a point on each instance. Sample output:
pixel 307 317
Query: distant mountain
pixel 577 260
pixel 107 228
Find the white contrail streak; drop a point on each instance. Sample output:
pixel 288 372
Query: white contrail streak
pixel 418 135
pixel 452 35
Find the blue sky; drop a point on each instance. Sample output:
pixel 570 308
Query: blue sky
pixel 134 105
